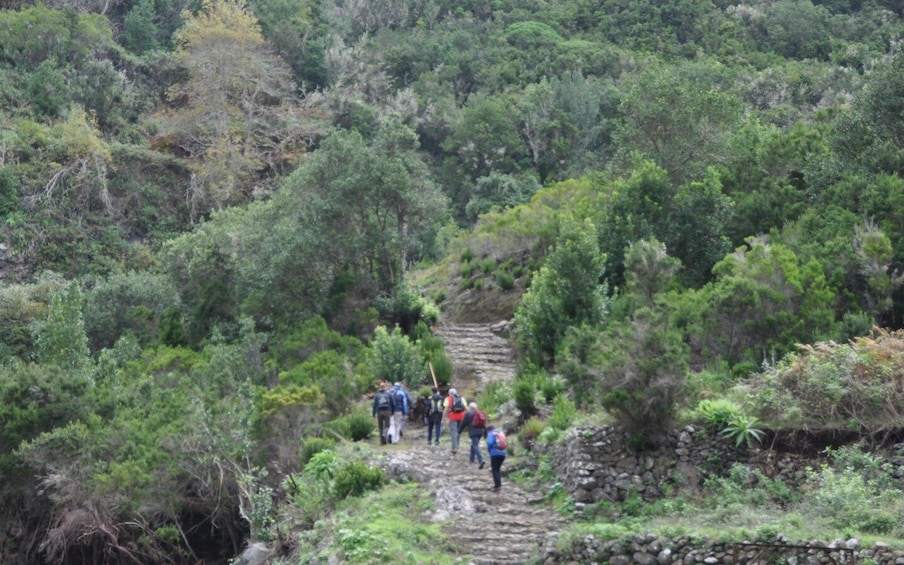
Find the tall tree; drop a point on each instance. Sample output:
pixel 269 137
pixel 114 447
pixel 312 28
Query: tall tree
pixel 237 114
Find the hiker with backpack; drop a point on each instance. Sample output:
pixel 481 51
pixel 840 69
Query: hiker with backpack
pixel 401 404
pixel 382 410
pixel 475 421
pixel 433 416
pixel 497 446
pixel 454 411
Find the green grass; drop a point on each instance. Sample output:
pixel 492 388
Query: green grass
pixel 389 526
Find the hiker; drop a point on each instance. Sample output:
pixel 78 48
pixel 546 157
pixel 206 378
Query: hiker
pixel 475 421
pixel 433 416
pixel 497 446
pixel 454 410
pixel 401 403
pixel 382 411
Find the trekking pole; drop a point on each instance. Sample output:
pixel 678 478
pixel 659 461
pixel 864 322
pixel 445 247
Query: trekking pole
pixel 433 374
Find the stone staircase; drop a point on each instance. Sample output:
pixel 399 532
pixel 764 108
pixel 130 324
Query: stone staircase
pixel 479 352
pixel 509 527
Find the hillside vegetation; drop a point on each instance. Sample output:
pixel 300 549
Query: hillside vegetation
pixel 223 221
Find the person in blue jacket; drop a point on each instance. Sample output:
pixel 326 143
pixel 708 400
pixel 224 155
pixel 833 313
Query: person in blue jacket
pixel 497 456
pixel 402 403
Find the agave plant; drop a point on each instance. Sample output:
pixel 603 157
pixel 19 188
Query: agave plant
pixel 743 429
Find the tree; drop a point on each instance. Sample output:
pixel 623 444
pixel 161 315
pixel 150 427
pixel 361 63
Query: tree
pixel 874 251
pixel 236 115
pixel 394 358
pixel 763 301
pixel 565 292
pixel 683 126
pixel 367 203
pixel 61 339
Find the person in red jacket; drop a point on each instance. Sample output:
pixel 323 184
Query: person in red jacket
pixel 454 413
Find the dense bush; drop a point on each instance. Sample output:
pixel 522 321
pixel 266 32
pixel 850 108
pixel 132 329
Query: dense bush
pixel 851 386
pixel 355 478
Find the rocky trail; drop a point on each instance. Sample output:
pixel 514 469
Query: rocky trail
pixel 480 353
pixel 511 526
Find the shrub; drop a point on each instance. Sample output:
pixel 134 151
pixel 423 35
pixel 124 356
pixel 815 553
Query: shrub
pixel 549 387
pixel 717 414
pixel 487 266
pixel 311 446
pixel 360 426
pixel 531 430
pixel 524 395
pixel 743 429
pixel 563 413
pixel 504 280
pixel 355 478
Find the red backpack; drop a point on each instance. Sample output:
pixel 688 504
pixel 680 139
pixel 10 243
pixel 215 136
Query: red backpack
pixel 501 442
pixel 479 419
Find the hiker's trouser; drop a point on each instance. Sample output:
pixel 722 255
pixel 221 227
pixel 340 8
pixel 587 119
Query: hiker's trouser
pixel 434 423
pixel 496 469
pixel 475 450
pixel 453 431
pixel 396 427
pixel 383 424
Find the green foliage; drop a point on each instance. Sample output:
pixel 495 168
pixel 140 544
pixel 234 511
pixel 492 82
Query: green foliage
pixel 742 429
pixel 531 430
pixel 565 293
pixel 138 303
pixel 61 339
pixel 563 414
pixel 830 385
pixel 848 500
pixel 395 358
pixel 719 413
pixel 524 393
pixel 311 446
pixel 405 308
pixel 355 478
pixel 357 426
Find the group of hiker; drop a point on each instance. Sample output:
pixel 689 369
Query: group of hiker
pixel 392 405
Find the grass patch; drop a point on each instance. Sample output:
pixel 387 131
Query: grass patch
pixel 388 526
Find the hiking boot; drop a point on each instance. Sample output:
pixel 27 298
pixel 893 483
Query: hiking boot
pixel 481 465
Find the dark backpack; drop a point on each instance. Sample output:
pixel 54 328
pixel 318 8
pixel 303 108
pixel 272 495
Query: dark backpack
pixel 436 405
pixel 479 419
pixel 384 401
pixel 458 404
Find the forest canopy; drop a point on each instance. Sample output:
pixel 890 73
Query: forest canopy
pixel 222 220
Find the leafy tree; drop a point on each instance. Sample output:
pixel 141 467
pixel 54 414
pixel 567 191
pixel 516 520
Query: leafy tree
pixel 763 302
pixel 565 292
pixel 133 302
pixel 394 358
pixel 641 368
pixel 486 138
pixel 874 251
pixel 61 339
pixel 236 113
pixel 683 126
pixel 366 204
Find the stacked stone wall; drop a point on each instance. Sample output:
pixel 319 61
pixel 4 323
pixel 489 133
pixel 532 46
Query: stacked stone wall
pixel 651 549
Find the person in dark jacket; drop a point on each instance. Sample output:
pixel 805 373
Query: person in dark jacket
pixel 497 456
pixel 434 417
pixel 383 410
pixel 475 432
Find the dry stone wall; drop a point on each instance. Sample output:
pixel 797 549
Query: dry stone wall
pixel 597 463
pixel 651 549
